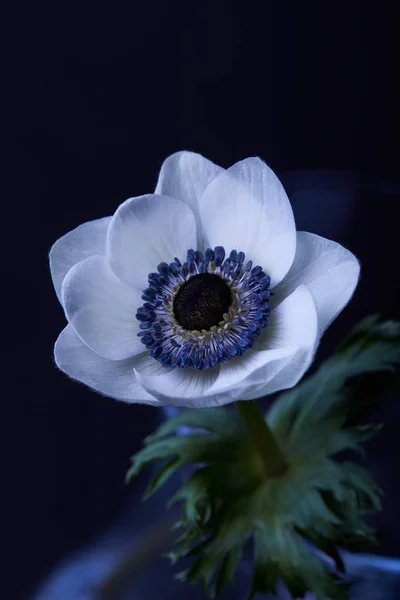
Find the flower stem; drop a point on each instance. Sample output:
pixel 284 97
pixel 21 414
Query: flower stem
pixel 273 460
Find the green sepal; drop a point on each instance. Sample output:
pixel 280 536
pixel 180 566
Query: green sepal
pixel 289 557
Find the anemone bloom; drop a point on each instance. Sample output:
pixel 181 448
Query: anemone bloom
pixel 199 294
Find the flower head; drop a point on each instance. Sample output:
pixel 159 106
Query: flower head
pixel 199 294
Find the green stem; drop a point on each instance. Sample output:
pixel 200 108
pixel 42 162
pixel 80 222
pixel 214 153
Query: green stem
pixel 271 455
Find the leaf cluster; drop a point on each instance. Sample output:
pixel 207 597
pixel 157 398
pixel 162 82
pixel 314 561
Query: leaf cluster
pixel 318 503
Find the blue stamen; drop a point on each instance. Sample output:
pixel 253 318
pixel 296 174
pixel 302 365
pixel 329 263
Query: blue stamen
pixel 191 255
pixel 219 255
pixel 166 339
pixel 209 255
pixel 199 257
pixel 163 268
pixel 163 279
pixel 154 286
pixel 265 281
pixel 256 271
pixel 157 352
pixel 174 268
pixel 150 292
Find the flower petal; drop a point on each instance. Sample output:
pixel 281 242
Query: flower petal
pixel 179 387
pixel 291 373
pixel 145 231
pixel 80 243
pixel 236 374
pixel 292 330
pixel 111 378
pixel 246 208
pixel 328 270
pixel 102 309
pixel 185 175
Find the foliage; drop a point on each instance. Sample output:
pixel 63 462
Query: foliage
pixel 319 502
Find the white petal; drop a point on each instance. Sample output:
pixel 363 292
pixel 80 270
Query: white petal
pixel 194 389
pixel 102 309
pixel 148 230
pixel 328 270
pixel 179 387
pixel 289 339
pixel 292 324
pixel 237 374
pixel 80 243
pixel 287 377
pixel 147 365
pixel 246 208
pixel 185 175
pixel 111 378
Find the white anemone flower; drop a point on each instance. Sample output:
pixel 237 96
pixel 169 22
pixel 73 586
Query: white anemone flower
pixel 200 294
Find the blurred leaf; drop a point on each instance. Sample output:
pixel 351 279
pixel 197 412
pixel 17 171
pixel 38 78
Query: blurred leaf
pixel 370 347
pixel 213 420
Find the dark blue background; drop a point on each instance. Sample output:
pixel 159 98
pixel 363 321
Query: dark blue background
pixel 99 96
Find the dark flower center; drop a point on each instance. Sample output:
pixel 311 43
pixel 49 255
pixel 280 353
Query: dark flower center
pixel 201 302
pixel 225 299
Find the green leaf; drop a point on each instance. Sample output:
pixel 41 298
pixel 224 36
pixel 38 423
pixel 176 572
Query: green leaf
pixel 227 501
pixel 189 449
pixel 228 568
pixel 368 331
pixel 298 567
pixel 352 437
pixel 194 494
pixel 367 490
pixel 265 571
pixel 161 476
pixel 326 544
